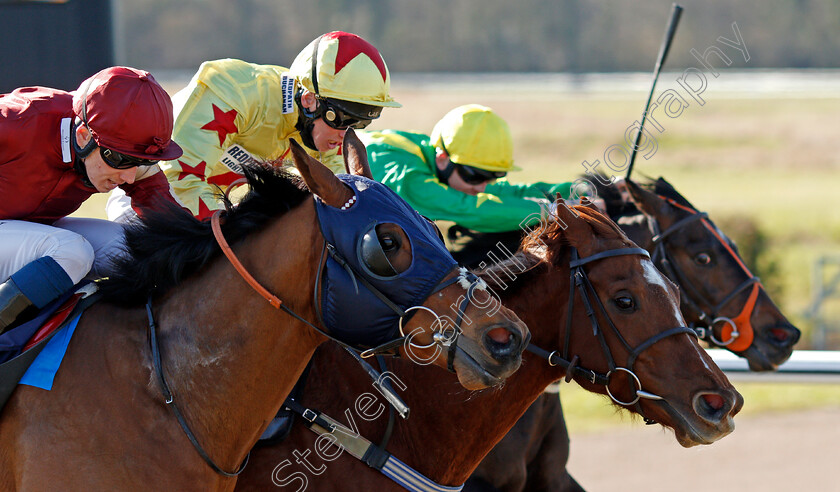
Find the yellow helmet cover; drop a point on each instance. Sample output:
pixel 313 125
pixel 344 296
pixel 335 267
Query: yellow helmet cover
pixel 474 135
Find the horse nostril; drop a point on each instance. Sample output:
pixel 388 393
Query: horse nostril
pixel 785 335
pixel 714 401
pixel 500 335
pixel 712 407
pixel 502 341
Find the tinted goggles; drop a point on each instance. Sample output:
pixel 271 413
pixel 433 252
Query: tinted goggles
pixel 339 119
pixel 474 176
pixel 122 161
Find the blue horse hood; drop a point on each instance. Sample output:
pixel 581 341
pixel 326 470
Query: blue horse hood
pixel 350 311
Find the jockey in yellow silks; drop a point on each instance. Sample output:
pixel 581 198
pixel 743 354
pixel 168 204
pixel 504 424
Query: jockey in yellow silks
pixel 233 111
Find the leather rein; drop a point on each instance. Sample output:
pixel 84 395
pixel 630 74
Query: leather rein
pixel 579 283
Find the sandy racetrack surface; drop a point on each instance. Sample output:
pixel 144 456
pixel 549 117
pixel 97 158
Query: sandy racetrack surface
pixel 784 452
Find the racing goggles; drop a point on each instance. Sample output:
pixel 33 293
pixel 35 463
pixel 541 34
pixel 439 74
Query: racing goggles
pixel 121 161
pixel 475 176
pixel 342 119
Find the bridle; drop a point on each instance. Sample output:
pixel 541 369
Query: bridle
pixel 579 282
pixel 731 337
pixel 447 337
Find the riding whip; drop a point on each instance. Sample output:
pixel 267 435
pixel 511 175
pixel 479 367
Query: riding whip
pixel 676 12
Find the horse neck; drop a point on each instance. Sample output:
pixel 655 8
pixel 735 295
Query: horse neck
pixel 468 425
pixel 227 354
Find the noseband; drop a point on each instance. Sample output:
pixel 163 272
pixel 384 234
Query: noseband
pixel 579 282
pixel 694 298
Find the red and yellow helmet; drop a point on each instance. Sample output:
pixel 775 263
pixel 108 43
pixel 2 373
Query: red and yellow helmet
pixel 346 70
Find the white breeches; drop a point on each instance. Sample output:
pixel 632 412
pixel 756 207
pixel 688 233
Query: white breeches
pixel 79 245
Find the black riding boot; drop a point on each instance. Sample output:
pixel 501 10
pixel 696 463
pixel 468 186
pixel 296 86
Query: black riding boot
pixel 12 303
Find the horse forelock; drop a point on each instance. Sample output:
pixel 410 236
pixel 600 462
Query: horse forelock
pixel 604 227
pixel 552 241
pixel 507 276
pixel 165 246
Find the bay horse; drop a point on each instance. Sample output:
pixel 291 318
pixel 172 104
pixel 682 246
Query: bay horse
pixel 173 395
pixel 715 285
pixel 450 430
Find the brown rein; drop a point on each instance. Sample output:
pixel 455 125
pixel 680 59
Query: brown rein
pixel 215 224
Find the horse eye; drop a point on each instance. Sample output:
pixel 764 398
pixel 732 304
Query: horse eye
pixel 625 303
pixel 703 259
pixel 389 242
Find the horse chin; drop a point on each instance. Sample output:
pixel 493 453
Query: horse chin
pixel 473 375
pixel 689 432
pixel 691 437
pixel 758 361
pixel 768 355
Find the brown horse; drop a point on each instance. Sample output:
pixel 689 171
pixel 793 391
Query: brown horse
pixel 715 285
pixel 225 358
pixel 450 430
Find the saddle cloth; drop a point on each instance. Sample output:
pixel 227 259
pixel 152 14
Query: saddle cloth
pixel 31 352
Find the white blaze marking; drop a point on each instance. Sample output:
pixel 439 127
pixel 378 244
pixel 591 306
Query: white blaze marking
pixel 701 355
pixel 654 276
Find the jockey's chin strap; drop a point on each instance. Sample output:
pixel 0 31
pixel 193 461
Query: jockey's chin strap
pixel 736 333
pixel 579 282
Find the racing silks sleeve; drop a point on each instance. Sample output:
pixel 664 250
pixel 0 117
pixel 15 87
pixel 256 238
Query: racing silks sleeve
pixel 149 193
pixel 231 113
pixel 201 128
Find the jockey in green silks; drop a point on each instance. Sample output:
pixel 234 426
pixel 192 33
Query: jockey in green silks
pixel 458 173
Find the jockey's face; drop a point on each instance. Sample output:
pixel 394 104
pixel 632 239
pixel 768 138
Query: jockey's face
pixel 325 137
pixel 455 181
pixel 102 176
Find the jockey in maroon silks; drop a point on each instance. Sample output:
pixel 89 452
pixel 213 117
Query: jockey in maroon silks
pixel 57 148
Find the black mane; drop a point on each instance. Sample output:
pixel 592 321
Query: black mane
pixel 164 247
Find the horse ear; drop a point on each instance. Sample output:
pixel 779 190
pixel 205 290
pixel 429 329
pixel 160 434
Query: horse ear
pixel 588 203
pixel 646 201
pixel 355 155
pixel 574 226
pixel 319 178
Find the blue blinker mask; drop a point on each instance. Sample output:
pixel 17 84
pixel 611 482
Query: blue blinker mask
pixel 350 311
